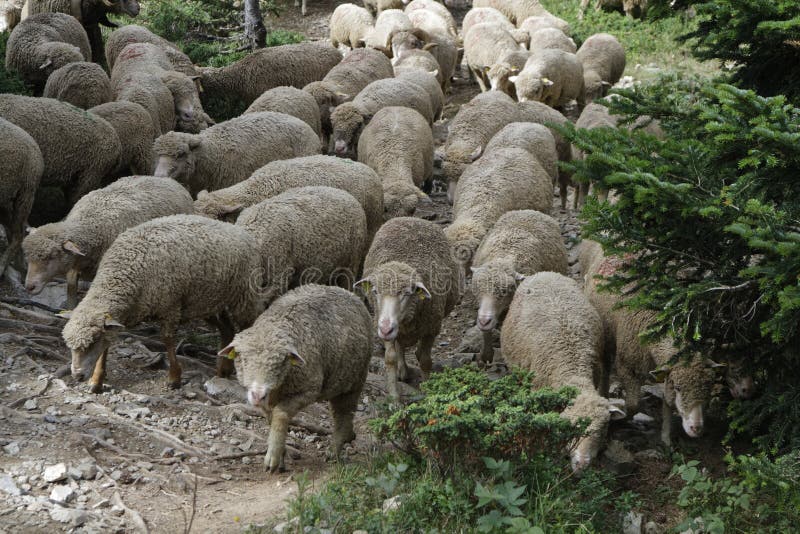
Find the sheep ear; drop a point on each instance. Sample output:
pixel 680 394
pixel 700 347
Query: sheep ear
pixel 69 246
pixel 547 82
pixel 616 412
pixel 64 314
pixel 30 230
pixel 194 142
pixel 514 70
pixel 423 198
pixel 486 68
pixel 605 84
pixel 365 284
pixel 228 352
pixel 422 291
pixel 430 46
pixel 202 194
pixel 714 365
pixel 519 277
pixel 110 324
pixel 195 78
pixel 476 153
pixel 513 79
pixel 434 73
pixel 46 64
pixel 227 209
pixel 660 374
pixel 293 357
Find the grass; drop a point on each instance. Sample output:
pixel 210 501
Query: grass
pixel 9 81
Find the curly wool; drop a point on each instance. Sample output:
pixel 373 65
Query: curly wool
pixel 388 22
pixel 379 7
pixel 132 33
pixel 484 15
pixel 279 176
pixel 534 138
pixel 349 26
pixel 552 38
pixel 307 235
pixel 485 45
pixel 532 24
pixel 516 10
pixel 563 69
pixel 82 84
pixel 398 145
pixel 295 65
pixel 431 5
pixel 416 59
pixel 230 152
pixel 79 149
pixel 135 131
pixel 43 43
pixel 427 81
pixel 603 60
pixel 291 101
pixel 171 269
pixel 20 171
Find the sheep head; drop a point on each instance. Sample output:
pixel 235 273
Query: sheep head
pixel 188 110
pixel 88 334
pixel 49 253
pixel 347 122
pixel 530 86
pixel 122 7
pixel 594 86
pixel 56 54
pixel 216 206
pixel 600 411
pixel 494 285
pixel 176 153
pixel 400 200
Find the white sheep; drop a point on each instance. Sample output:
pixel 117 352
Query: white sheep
pixel 552 38
pixel 551 76
pixel 515 10
pixel 481 15
pixel 603 60
pixel 291 101
pixel 534 138
pixel 532 24
pixel 82 84
pixel 436 7
pixel 349 26
pixel 135 130
pixel 493 55
pixel 389 22
pixel 428 81
pixel 378 7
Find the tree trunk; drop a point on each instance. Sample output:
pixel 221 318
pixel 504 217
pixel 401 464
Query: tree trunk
pixel 254 24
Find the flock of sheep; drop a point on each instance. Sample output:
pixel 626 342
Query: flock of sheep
pixel 248 215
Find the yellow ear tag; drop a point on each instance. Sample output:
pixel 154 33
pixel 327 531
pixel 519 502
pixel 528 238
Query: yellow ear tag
pixel 294 361
pixel 367 287
pixel 232 354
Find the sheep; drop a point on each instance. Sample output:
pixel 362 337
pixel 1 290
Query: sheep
pixel 279 176
pixel 603 60
pixel 349 26
pixel 73 247
pixel 136 133
pixel 688 385
pixel 142 72
pixel 521 243
pixel 551 76
pixel 21 169
pixel 43 43
pixel 534 138
pixel 82 84
pixel 378 7
pixel 415 45
pixel 398 145
pixel 171 269
pixel 630 7
pixel 132 33
pixel 469 131
pixel 429 21
pixel 306 235
pixel 419 59
pixel 553 330
pixel 552 38
pixel 428 81
pixel 296 65
pixel 291 101
pixel 489 15
pixel 387 24
pixel 349 118
pixel 437 8
pixel 407 257
pixel 540 113
pixel 343 82
pixel 10 14
pixel 492 55
pixel 90 13
pixel 515 10
pixel 594 115
pixel 229 152
pixel 500 181
pixel 532 24
pixel 445 49
pixel 313 344
pixel 79 148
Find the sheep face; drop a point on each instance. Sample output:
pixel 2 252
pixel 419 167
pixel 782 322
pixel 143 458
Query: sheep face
pixel 88 334
pixel 347 124
pixel 499 75
pixel 600 412
pixel 187 104
pixel 530 86
pixel 494 285
pixel 126 7
pixel 688 389
pixel 56 55
pixel 740 383
pixel 404 41
pixel 49 255
pixel 400 201
pixel 215 207
pixel 176 155
pixel 594 86
pixel 395 290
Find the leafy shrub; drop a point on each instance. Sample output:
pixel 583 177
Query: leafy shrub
pixel 465 416
pixel 9 81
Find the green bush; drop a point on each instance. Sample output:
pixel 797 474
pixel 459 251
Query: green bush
pixel 9 81
pixel 465 416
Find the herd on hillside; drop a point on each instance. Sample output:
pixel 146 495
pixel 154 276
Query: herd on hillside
pixel 252 223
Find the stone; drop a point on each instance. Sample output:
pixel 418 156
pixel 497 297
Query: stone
pixel 117 510
pixel 116 474
pixel 105 503
pixel 649 455
pixel 7 485
pixel 30 404
pixel 632 523
pixel 643 419
pixel 55 473
pixel 392 504
pixel 132 410
pixel 74 518
pixel 147 466
pixel 651 527
pixel 12 449
pixel 618 459
pixel 226 476
pixel 74 473
pixel 87 470
pixel 62 494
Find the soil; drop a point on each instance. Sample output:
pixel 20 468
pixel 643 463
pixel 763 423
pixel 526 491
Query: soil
pixel 160 454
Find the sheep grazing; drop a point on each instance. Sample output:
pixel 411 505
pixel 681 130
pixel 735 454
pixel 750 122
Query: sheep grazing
pixel 432 5
pixel 73 247
pixel 398 145
pixel 291 101
pixel 21 169
pixel 504 180
pixel 603 60
pixel 229 152
pixel 171 269
pixel 489 15
pixel 412 283
pixel 469 131
pixel 296 65
pixel 44 43
pixel 132 33
pixel 631 8
pixel 493 55
pixel 279 176
pixel 136 133
pixel 143 74
pixel 90 13
pixel 532 24
pixel 349 26
pixel 307 235
pixel 553 330
pixel 379 7
pixel 360 68
pixel 387 24
pixel 688 385
pixel 313 344
pixel 428 81
pixel 350 118
pixel 79 148
pixel 515 10
pixel 82 84
pixel 593 116
pixel 551 76
pixel 521 243
pixel 552 38
pixel 534 139
pixel 433 32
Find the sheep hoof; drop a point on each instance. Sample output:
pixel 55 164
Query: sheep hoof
pixel 174 384
pixel 97 388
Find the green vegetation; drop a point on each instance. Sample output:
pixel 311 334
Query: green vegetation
pixel 9 81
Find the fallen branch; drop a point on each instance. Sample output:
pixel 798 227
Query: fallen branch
pixel 29 327
pixel 32 315
pixel 28 302
pixel 134 516
pixel 23 400
pixel 243 454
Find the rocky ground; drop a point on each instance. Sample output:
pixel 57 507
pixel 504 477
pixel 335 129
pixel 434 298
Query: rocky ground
pixel 142 458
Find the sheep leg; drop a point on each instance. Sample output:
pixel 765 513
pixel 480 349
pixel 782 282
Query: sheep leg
pixel 582 192
pixel 451 191
pixel 424 355
pixel 276 443
pixel 72 289
pixel 666 423
pixel 223 323
pixel 174 374
pixel 479 78
pixel 342 409
pixel 390 359
pixel 487 353
pixel 562 192
pixel 96 42
pixel 402 366
pixel 99 374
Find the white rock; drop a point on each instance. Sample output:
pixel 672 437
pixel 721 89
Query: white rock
pixel 632 523
pixel 392 504
pixel 30 404
pixel 12 449
pixel 88 470
pixel 54 473
pixel 7 485
pixel 75 518
pixel 62 494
